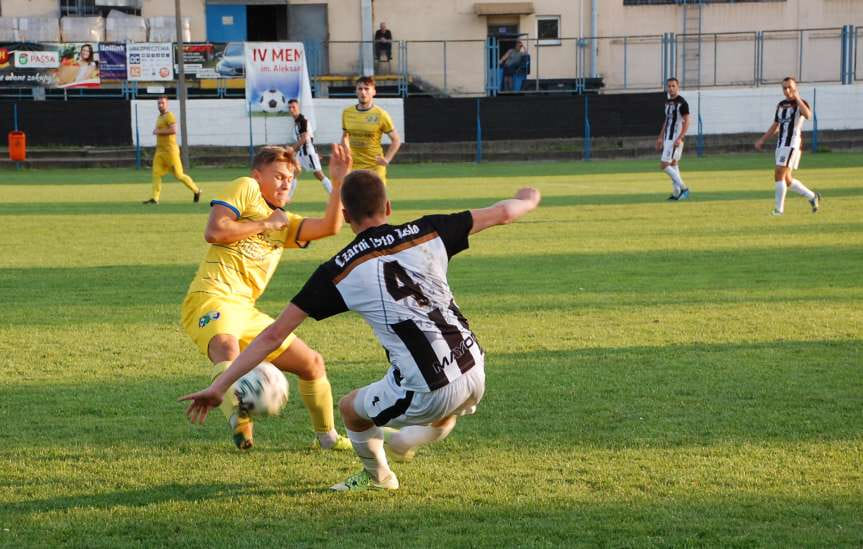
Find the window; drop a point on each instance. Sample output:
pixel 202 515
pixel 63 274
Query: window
pixel 548 30
pixel 691 2
pixel 98 7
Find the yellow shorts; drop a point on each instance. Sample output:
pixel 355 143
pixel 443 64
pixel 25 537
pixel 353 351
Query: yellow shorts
pixel 204 316
pixel 378 169
pixel 167 162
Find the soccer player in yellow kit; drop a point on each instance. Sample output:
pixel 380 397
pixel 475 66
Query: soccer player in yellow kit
pixel 363 125
pixel 248 230
pixel 167 157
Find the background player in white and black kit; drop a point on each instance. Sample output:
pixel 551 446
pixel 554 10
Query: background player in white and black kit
pixel 304 146
pixel 671 137
pixel 788 121
pixel 394 276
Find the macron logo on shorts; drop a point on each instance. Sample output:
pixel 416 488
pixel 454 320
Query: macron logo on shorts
pixel 204 320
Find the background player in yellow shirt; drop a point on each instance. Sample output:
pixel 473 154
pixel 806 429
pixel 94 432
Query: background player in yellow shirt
pixel 248 230
pixel 363 125
pixel 167 156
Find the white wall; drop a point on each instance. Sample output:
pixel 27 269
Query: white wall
pixel 225 122
pixel 740 110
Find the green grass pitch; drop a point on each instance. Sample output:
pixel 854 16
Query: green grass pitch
pixel 659 374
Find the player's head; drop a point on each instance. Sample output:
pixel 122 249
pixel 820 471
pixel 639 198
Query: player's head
pixel 364 196
pixel 365 90
pixel 274 168
pixel 383 26
pixel 672 86
pixel 86 53
pixel 789 86
pixel 294 107
pixel 162 103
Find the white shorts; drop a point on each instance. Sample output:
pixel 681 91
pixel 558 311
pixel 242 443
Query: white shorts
pixel 788 157
pixel 385 403
pixel 310 161
pixel 670 152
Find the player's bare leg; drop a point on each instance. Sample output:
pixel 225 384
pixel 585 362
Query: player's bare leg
pixel 401 444
pixel 798 187
pixel 222 350
pixel 315 391
pixel 368 442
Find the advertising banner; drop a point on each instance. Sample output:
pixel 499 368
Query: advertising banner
pixel 276 72
pixel 112 61
pixel 213 60
pixel 150 61
pixel 49 65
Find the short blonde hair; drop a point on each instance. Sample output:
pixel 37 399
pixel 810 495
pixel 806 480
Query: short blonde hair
pixel 272 153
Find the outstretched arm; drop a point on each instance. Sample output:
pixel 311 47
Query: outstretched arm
pixel 505 211
pixel 266 342
pixel 392 149
pixel 223 227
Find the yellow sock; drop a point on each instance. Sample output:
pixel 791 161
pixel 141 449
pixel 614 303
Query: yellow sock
pixel 230 402
pixel 187 181
pixel 157 187
pixel 317 395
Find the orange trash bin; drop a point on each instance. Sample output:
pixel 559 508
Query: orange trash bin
pixel 17 146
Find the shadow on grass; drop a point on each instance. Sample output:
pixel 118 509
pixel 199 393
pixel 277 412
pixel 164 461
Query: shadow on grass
pixel 623 397
pixel 41 296
pixel 419 205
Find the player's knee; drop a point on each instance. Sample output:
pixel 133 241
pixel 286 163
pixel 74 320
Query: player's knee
pixel 223 347
pixel 313 367
pixel 346 407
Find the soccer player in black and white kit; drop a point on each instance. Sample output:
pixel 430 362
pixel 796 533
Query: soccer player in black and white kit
pixel 395 277
pixel 304 146
pixel 671 136
pixel 788 121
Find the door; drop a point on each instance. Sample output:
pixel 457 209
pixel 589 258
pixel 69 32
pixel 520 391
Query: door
pixel 307 23
pixel 226 22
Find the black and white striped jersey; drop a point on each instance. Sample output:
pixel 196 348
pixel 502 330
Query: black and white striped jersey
pixel 790 124
pixel 675 109
pixel 301 126
pixel 395 277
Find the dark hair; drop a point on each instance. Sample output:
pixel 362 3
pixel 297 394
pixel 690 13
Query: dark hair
pixel 368 80
pixel 364 195
pixel 673 79
pixel 272 153
pixel 165 97
pixel 92 58
pixel 787 78
pixel 293 101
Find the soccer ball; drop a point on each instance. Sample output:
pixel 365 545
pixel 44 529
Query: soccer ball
pixel 273 101
pixel 263 391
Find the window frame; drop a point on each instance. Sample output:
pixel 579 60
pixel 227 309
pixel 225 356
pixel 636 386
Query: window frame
pixel 548 41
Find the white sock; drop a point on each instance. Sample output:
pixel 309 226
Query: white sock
pixel 294 186
pixel 408 438
pixel 327 439
pixel 801 189
pixel 683 186
pixel 369 446
pixel 328 185
pixel 780 196
pixel 676 184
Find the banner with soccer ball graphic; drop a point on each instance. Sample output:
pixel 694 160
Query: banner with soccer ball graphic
pixel 276 72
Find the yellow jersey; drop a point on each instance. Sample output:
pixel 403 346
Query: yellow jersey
pixel 243 269
pixel 165 142
pixel 365 129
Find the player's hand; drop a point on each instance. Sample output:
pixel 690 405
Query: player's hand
pixel 527 193
pixel 277 221
pixel 202 402
pixel 658 144
pixel 678 142
pixel 381 161
pixel 759 145
pixel 340 163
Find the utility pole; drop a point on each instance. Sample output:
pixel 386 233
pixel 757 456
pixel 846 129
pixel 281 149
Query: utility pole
pixel 181 85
